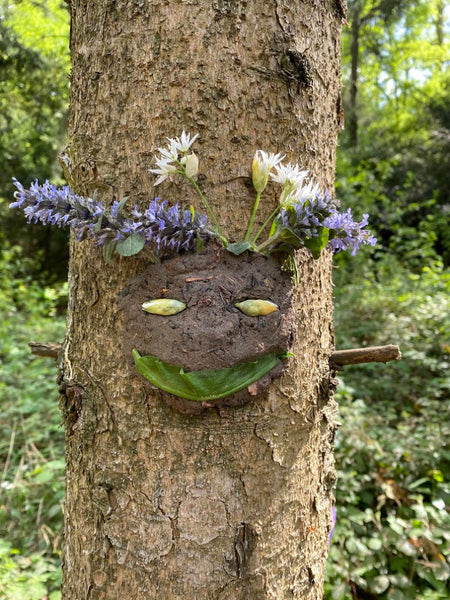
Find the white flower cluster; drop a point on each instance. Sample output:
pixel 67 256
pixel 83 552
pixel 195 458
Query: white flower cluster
pixel 171 162
pixel 291 177
pixel 177 158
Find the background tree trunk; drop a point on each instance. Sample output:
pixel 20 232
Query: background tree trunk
pixel 354 76
pixel 231 504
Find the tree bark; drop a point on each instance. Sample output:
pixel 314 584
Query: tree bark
pixel 230 504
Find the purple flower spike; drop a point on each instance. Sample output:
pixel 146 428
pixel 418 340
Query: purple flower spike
pixel 166 230
pixel 347 234
pixel 316 223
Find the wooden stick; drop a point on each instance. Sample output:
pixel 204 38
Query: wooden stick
pixel 51 349
pixel 339 358
pixel 356 356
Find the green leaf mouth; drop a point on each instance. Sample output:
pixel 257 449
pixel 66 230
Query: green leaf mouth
pixel 205 385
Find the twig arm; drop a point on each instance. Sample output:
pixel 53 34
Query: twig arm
pixel 357 356
pixel 50 349
pixel 339 358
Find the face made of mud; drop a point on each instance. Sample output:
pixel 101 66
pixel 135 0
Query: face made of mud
pixel 211 333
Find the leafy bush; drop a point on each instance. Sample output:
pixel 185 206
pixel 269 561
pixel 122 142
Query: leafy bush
pixel 31 438
pixel 393 530
pixel 34 95
pixel 27 578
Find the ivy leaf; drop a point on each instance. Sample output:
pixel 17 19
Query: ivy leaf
pixel 239 247
pixel 202 386
pixel 130 245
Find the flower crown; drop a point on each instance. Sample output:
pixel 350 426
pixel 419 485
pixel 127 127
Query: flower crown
pixel 303 218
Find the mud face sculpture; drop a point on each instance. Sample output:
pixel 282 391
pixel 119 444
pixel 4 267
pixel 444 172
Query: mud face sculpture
pixel 210 337
pixel 209 346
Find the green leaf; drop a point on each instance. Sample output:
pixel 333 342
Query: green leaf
pixel 273 228
pixel 200 244
pixel 291 214
pixel 130 245
pixel 108 250
pixel 98 225
pixel 317 243
pixel 239 247
pixel 290 238
pixel 203 385
pixel 378 585
pixel 121 205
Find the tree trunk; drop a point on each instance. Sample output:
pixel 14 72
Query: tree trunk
pixel 439 22
pixel 232 503
pixel 354 76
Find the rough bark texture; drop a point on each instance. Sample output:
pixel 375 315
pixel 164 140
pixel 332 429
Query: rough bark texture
pixel 233 503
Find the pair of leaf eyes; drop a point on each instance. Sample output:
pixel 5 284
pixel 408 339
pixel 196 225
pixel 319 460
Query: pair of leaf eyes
pixel 168 306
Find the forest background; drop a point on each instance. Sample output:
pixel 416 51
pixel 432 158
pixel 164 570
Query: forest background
pixel 392 534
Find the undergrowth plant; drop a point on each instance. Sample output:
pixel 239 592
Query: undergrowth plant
pixel 31 438
pixel 392 535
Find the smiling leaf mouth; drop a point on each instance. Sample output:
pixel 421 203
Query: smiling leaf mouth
pixel 201 386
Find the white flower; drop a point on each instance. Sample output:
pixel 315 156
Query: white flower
pixel 261 167
pixel 303 193
pixel 182 143
pixel 170 155
pixel 289 175
pixel 165 168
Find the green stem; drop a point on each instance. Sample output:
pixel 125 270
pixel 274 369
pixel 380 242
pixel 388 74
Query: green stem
pixel 268 243
pixel 252 218
pixel 207 206
pixel 204 200
pixel 266 222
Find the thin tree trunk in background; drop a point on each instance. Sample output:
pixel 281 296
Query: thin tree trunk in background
pixel 231 504
pixel 354 54
pixel 440 22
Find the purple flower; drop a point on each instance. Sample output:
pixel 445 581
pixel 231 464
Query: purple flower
pixel 345 233
pixel 166 229
pixel 315 223
pixel 309 219
pixel 50 205
pixel 333 522
pixel 170 229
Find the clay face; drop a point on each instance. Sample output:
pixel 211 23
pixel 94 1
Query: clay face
pixel 211 332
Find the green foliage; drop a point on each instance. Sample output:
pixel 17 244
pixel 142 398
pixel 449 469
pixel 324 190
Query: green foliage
pixel 34 62
pixel 27 578
pixel 31 439
pixel 398 171
pixel 393 531
pixel 34 91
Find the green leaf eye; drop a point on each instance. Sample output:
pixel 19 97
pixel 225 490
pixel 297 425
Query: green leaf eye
pixel 164 306
pixel 256 308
